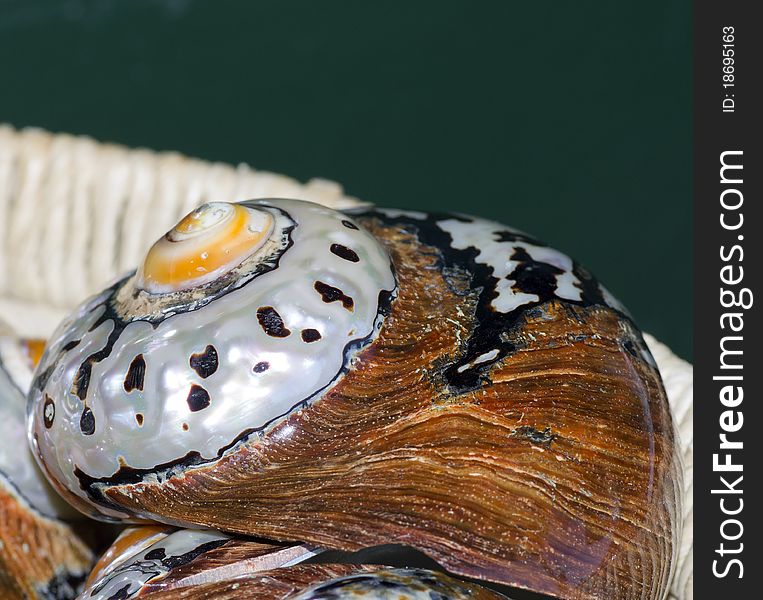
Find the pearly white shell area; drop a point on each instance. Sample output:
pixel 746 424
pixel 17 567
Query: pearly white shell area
pixel 480 233
pixel 243 395
pixel 19 472
pixel 148 560
pixel 152 559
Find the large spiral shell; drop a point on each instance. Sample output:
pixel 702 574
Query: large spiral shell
pixel 372 377
pixel 159 372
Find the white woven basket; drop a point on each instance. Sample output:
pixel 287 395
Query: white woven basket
pixel 75 214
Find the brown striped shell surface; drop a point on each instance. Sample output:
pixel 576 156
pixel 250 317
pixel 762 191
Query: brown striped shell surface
pixel 490 405
pixel 164 562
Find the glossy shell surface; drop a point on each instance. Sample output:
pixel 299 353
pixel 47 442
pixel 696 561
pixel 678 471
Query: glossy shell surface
pixel 150 559
pixel 502 413
pixel 17 464
pixel 197 566
pixel 124 390
pixel 41 556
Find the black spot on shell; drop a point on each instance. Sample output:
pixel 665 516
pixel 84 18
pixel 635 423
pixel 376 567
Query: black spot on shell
pixel 344 252
pixel 331 294
pixel 205 363
pixel 48 412
pixel 198 398
pixel 156 554
pixel 120 594
pixel 135 374
pixel 271 322
pixel 42 378
pixel 82 379
pixel 310 335
pixel 509 236
pixel 349 224
pixel 173 562
pixel 70 346
pixel 87 422
pixel 631 348
pixel 543 437
pixel 261 367
pixel 533 277
pixel 85 371
pixel 139 419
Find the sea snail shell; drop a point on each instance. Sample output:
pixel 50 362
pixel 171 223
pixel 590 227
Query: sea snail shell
pixel 141 378
pixel 41 556
pixel 205 245
pixel 148 559
pixel 355 379
pixel 162 562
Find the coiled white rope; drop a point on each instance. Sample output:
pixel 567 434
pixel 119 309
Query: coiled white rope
pixel 62 197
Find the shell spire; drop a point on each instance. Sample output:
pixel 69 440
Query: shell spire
pixel 205 244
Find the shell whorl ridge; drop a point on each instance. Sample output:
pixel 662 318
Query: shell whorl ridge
pixel 365 378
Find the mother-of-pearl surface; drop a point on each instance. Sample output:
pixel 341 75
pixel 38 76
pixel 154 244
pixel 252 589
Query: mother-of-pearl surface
pixel 259 376
pixel 19 472
pixel 150 559
pixel 481 234
pixel 495 250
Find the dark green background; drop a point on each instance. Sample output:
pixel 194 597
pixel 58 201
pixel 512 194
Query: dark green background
pixel 571 120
